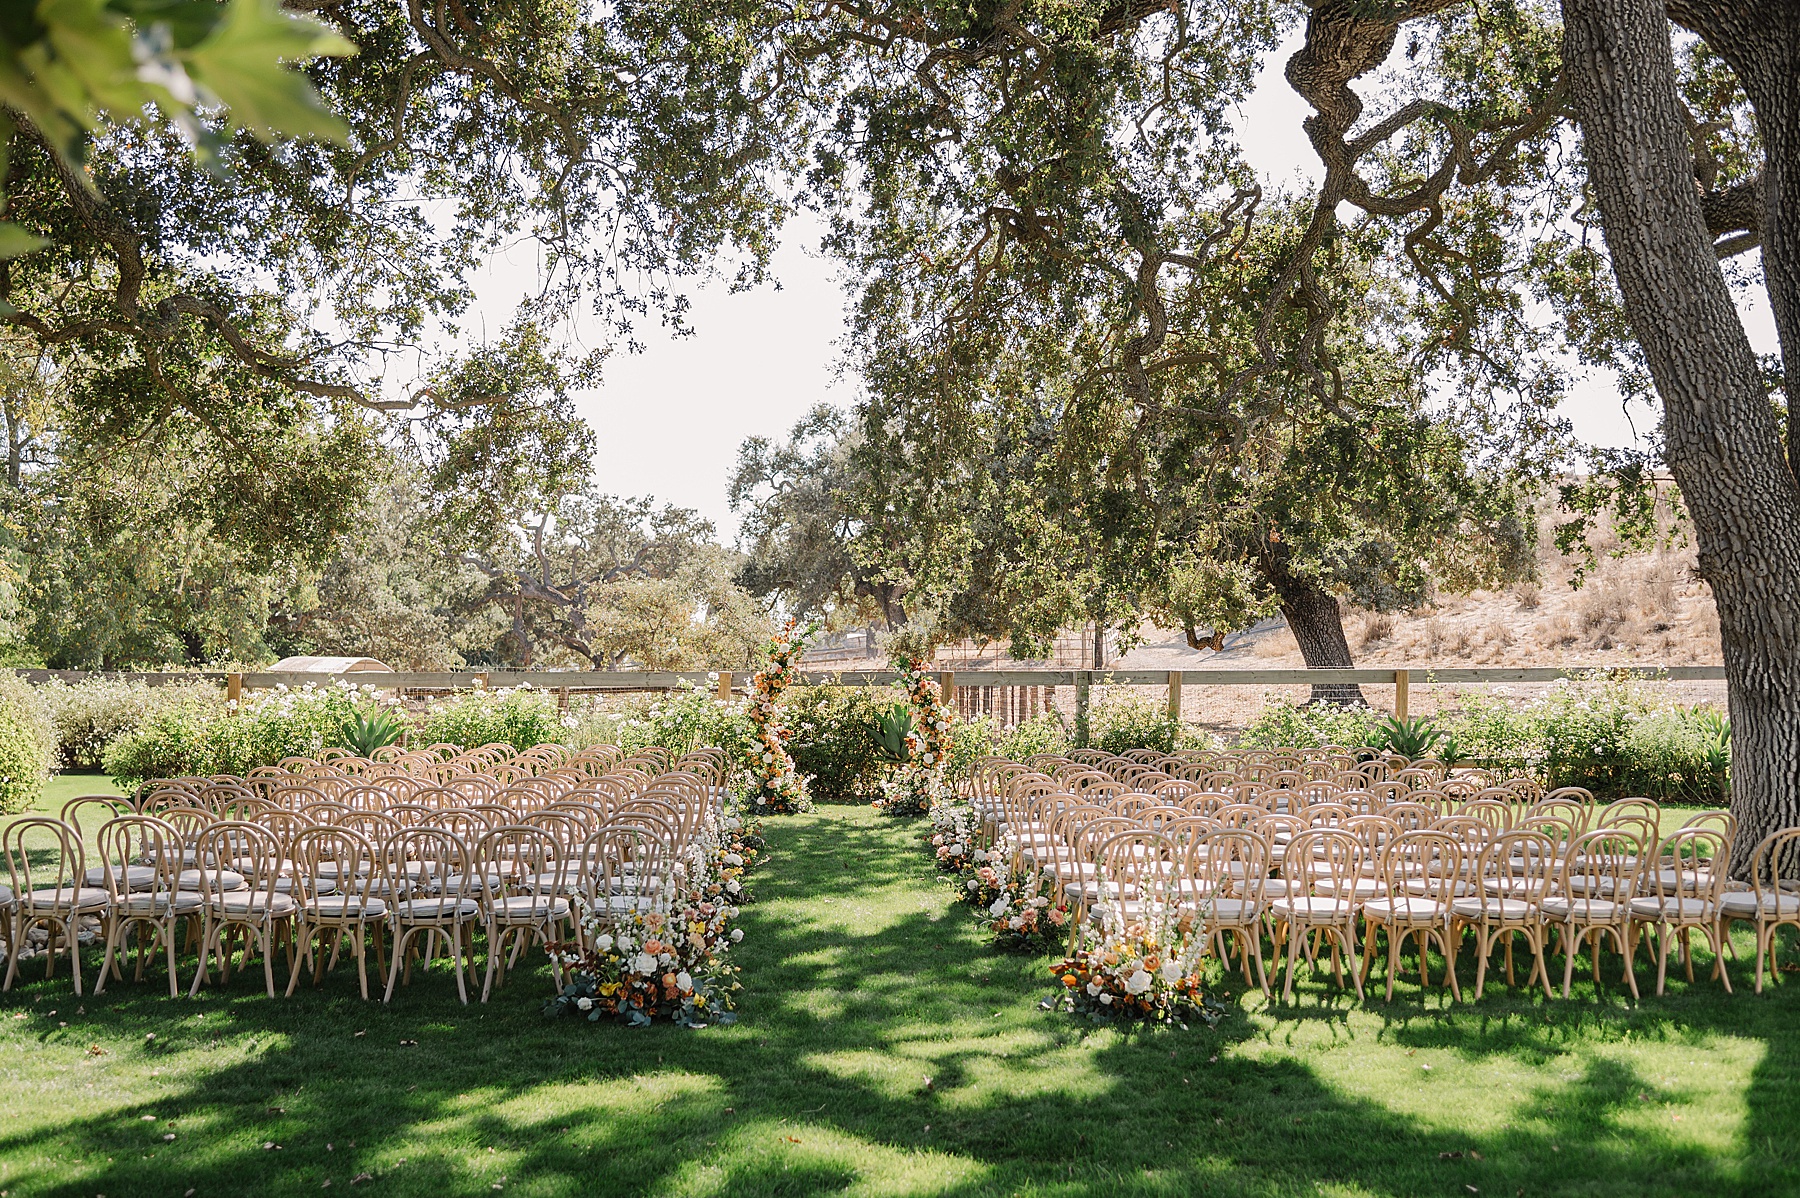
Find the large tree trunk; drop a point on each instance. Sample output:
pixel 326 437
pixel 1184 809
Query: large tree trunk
pixel 1760 40
pixel 1318 625
pixel 1722 439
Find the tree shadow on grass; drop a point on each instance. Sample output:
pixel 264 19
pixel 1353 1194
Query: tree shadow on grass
pixel 821 1089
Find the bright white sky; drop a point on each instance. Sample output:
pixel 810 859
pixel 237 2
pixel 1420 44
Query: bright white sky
pixel 670 420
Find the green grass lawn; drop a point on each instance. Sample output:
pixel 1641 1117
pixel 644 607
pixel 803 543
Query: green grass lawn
pixel 883 1050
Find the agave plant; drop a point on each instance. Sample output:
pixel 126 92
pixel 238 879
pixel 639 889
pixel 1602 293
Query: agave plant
pixel 1414 736
pixel 1715 730
pixel 893 726
pixel 372 728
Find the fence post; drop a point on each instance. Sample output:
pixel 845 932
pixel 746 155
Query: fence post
pixel 1175 695
pixel 1082 686
pixel 947 689
pixel 234 687
pixel 1402 680
pixel 725 685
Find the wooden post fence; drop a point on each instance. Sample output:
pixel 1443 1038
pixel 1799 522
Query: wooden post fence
pixel 725 685
pixel 1175 694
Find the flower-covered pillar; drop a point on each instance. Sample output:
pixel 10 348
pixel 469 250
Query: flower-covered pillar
pixel 918 784
pixel 778 788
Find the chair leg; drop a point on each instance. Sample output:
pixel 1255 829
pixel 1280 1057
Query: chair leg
pixel 303 935
pixel 265 939
pixel 401 936
pixel 1347 933
pixel 1395 938
pixel 1571 944
pixel 1662 959
pixel 169 948
pixel 362 963
pixel 113 928
pixel 1483 947
pixel 1619 934
pixel 1293 957
pixel 1450 945
pixel 456 960
pixel 74 952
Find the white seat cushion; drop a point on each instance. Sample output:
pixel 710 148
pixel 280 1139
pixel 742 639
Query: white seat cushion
pixel 254 903
pixel 1404 910
pixel 220 879
pixel 1742 904
pixel 137 877
pixel 1583 910
pixel 1318 907
pixel 81 898
pixel 530 906
pixel 438 909
pixel 1492 907
pixel 180 902
pixel 346 906
pixel 1686 910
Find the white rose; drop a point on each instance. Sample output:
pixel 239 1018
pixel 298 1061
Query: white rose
pixel 733 886
pixel 1171 971
pixel 665 958
pixel 1106 999
pixel 603 942
pixel 737 934
pixel 971 883
pixel 684 980
pixel 999 907
pixel 643 963
pixel 1137 983
pixel 584 1004
pixel 1093 989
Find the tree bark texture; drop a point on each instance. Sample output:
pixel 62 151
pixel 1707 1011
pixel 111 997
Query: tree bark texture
pixel 1317 623
pixel 1760 40
pixel 1723 443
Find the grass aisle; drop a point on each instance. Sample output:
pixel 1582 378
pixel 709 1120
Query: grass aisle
pixel 862 982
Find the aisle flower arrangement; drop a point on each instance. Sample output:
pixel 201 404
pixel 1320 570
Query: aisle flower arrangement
pixel 649 966
pixel 668 966
pixel 1145 971
pixel 776 786
pixel 917 785
pixel 951 836
pixel 1014 908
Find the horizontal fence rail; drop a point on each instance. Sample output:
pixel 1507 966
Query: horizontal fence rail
pixel 662 680
pixel 725 682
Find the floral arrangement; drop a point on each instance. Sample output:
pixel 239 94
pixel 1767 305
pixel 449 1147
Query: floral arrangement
pixel 915 786
pixel 951 836
pixel 1143 971
pixel 1010 904
pixel 1013 909
pixel 776 786
pixel 649 966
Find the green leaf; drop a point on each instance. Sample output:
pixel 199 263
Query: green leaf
pixel 239 64
pixel 16 240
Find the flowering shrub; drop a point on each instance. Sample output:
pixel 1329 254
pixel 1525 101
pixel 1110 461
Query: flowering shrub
pixel 235 738
pixel 652 966
pixel 776 786
pixel 834 743
pixel 518 716
pixel 1144 971
pixel 679 721
pixel 89 715
pixel 918 783
pixel 27 744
